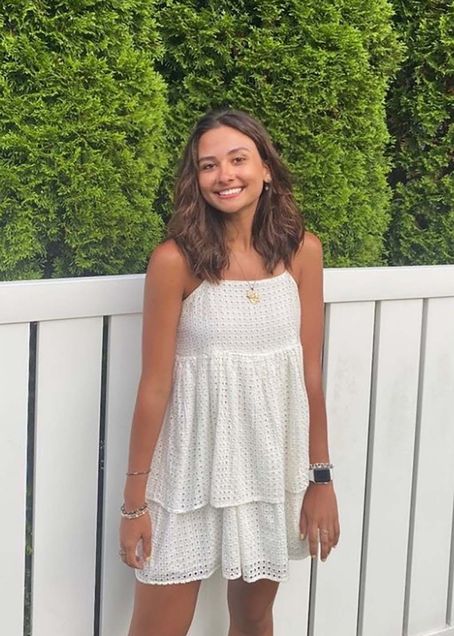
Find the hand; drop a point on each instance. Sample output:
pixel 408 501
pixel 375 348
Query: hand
pixel 319 512
pixel 131 532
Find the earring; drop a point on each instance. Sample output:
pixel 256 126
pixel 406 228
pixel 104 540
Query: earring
pixel 267 186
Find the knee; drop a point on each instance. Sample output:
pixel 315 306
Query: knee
pixel 150 629
pixel 160 626
pixel 253 621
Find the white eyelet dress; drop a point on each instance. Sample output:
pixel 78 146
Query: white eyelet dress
pixel 231 464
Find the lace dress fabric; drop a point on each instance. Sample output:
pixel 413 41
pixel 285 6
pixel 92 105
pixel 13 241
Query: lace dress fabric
pixel 231 464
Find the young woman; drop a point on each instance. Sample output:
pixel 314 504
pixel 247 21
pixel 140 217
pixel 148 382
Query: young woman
pixel 229 462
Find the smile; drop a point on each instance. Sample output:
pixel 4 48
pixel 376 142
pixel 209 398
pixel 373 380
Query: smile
pixel 229 193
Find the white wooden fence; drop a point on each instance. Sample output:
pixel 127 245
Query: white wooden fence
pixel 69 367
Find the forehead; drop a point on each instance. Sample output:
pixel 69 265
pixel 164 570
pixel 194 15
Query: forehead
pixel 219 141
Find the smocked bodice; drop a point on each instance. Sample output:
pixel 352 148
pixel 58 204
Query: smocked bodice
pixel 218 318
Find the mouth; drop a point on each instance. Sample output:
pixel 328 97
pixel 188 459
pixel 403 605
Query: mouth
pixel 230 193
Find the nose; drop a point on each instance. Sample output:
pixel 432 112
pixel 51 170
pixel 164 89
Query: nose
pixel 225 174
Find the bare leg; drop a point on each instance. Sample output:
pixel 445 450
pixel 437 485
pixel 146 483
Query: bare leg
pixel 251 607
pixel 163 610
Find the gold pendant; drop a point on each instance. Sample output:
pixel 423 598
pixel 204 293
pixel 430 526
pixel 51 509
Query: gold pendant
pixel 253 296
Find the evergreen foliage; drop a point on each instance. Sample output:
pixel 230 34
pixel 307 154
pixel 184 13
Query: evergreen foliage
pixel 81 137
pixel 316 74
pixel 421 118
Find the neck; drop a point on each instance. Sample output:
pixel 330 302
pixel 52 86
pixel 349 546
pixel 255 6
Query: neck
pixel 239 234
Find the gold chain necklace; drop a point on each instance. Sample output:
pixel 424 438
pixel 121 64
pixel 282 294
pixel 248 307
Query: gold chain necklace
pixel 252 295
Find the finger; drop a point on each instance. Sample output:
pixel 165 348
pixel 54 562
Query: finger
pixel 146 547
pixel 326 540
pixel 313 540
pixel 131 557
pixel 303 526
pixel 124 555
pixel 336 532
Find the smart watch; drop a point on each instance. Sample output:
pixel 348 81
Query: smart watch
pixel 321 473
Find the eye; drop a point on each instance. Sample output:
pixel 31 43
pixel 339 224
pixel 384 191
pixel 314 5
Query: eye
pixel 206 166
pixel 239 159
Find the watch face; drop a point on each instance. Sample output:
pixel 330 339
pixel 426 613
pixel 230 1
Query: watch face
pixel 322 474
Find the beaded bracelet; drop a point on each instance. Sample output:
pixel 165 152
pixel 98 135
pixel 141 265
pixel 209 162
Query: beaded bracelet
pixel 133 514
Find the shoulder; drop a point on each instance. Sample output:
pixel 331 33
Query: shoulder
pixel 309 256
pixel 167 255
pixel 310 245
pixel 167 260
pixel 167 267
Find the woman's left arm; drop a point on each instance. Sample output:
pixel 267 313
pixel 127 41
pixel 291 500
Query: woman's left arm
pixel 319 515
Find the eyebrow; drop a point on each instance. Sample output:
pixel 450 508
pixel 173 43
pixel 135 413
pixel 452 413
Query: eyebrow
pixel 230 152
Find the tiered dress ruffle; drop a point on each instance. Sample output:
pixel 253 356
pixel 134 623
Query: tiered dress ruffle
pixel 230 467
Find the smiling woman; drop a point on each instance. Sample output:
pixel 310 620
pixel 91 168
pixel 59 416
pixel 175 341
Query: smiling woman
pixel 230 409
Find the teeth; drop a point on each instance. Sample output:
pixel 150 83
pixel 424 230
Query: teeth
pixel 230 191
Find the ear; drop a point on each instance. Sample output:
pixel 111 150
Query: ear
pixel 267 174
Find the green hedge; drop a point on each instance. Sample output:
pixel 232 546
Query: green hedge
pixel 86 125
pixel 421 118
pixel 82 147
pixel 316 73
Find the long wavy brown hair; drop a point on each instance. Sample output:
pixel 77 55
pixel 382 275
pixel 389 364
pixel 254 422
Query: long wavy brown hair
pixel 199 229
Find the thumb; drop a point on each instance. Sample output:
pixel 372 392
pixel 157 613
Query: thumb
pixel 303 526
pixel 146 547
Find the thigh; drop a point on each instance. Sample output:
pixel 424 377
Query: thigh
pixel 164 610
pixel 251 602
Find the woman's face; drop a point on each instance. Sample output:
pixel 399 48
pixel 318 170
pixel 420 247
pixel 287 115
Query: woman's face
pixel 231 173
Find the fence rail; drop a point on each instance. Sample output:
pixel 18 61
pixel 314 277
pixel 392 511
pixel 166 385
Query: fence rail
pixel 69 367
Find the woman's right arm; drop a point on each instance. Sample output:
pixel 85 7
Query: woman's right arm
pixel 164 289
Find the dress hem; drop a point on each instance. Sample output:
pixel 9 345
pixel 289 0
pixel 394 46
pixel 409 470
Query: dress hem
pixel 227 578
pixel 154 499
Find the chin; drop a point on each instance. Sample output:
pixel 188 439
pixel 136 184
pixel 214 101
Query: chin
pixel 232 208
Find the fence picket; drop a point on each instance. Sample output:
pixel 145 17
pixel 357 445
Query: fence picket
pixel 435 475
pixel 117 580
pixel 390 466
pixel 347 364
pixel 66 442
pixel 14 348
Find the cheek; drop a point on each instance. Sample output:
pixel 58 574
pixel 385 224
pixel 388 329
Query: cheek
pixel 204 181
pixel 205 187
pixel 256 181
pixel 255 174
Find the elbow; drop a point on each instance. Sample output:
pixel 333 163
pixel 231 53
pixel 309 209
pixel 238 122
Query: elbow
pixel 154 390
pixel 314 384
